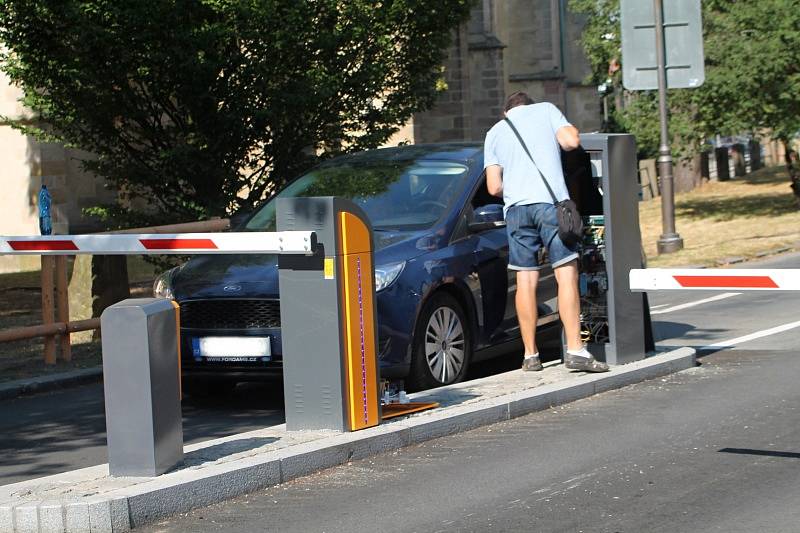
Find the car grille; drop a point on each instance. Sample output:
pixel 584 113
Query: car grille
pixel 230 314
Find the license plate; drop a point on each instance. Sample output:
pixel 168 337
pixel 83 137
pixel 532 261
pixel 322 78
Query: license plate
pixel 232 348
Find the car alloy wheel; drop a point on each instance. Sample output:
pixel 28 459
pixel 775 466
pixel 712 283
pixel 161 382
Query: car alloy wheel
pixel 444 345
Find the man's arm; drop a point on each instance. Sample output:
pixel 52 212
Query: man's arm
pixel 568 137
pixel 494 180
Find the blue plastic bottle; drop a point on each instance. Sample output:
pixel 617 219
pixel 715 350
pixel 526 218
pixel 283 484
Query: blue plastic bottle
pixel 45 223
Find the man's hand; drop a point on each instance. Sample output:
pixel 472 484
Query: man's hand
pixel 568 137
pixel 494 180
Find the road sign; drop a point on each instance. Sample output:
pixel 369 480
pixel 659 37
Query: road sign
pixel 683 44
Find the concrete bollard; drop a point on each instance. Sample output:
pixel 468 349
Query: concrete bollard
pixel 141 376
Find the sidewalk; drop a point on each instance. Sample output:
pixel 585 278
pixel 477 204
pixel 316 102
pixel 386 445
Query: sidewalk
pixel 88 500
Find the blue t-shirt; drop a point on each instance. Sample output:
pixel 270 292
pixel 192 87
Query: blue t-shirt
pixel 522 184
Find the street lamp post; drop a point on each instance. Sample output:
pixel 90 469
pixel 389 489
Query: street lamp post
pixel 669 241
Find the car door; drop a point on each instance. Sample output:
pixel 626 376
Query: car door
pixel 494 286
pixel 498 284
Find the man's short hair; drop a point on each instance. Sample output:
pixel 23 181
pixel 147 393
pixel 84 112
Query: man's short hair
pixel 517 99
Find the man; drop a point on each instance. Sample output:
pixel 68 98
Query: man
pixel 531 220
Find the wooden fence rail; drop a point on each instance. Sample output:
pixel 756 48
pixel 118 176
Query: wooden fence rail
pixel 56 326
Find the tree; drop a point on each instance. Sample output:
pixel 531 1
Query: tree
pixel 752 73
pixel 203 107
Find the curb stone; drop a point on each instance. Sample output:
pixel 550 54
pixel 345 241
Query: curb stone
pixel 152 499
pixel 731 260
pixel 12 389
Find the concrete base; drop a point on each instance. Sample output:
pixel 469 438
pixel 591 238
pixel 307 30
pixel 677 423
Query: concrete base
pixel 91 501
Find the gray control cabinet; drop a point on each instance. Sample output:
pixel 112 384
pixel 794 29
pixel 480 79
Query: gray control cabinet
pixel 328 318
pixel 614 167
pixel 141 379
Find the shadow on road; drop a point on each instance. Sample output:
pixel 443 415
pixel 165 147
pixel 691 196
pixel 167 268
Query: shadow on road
pixel 51 433
pixel 767 453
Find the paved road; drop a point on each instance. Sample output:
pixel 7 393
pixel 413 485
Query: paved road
pixel 64 430
pixel 737 315
pixel 715 448
pixel 55 432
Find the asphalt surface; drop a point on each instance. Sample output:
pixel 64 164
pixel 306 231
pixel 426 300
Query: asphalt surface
pixel 64 430
pixel 714 448
pixel 55 432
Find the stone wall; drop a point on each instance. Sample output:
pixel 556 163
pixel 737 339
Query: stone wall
pixel 508 46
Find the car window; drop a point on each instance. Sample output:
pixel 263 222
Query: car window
pixel 396 195
pixel 482 196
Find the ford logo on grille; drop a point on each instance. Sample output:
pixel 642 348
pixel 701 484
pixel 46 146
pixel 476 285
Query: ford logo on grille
pixel 232 288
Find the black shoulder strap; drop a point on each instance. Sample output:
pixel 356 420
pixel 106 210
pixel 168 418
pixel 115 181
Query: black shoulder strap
pixel 525 147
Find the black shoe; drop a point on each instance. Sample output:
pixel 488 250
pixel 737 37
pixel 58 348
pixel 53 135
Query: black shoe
pixel 531 364
pixel 585 364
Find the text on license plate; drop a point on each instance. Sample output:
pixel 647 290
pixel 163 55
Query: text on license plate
pixel 232 348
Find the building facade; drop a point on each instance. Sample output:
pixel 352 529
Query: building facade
pixel 27 164
pixel 507 46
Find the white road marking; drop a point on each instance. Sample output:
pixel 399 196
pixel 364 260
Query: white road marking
pixel 658 306
pixel 692 304
pixel 757 335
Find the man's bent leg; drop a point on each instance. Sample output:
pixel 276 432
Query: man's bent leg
pixel 569 303
pixel 527 281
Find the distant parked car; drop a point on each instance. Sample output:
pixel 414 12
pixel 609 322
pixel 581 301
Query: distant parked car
pixel 444 295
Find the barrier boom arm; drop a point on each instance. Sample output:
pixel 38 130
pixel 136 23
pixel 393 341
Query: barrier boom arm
pixel 739 279
pixel 276 242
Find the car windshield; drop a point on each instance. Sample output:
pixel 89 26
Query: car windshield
pixel 396 195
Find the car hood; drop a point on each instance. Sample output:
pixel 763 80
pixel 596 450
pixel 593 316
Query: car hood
pixel 256 276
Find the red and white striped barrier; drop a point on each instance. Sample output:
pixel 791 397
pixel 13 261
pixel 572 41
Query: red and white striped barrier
pixel 699 279
pixel 280 242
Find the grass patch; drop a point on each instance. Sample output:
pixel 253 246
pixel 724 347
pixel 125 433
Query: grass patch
pixel 742 217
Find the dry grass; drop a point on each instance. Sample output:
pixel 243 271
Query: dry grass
pixel 738 218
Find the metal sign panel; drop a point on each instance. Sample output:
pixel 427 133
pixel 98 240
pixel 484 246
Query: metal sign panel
pixel 683 42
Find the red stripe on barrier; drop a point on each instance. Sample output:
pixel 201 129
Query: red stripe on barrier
pixel 178 244
pixel 41 246
pixel 733 282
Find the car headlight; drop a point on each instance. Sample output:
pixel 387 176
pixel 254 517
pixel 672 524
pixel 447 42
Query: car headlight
pixel 386 274
pixel 162 286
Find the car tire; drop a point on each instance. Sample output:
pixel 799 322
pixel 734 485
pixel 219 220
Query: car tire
pixel 442 344
pixel 207 387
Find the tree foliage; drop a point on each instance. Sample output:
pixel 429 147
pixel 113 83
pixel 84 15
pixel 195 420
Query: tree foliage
pixel 752 61
pixel 202 107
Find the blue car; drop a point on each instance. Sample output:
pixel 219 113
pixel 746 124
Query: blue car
pixel 445 298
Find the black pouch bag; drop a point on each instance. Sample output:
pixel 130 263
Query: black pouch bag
pixel 570 224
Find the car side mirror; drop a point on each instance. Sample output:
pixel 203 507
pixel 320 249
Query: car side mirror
pixel 487 217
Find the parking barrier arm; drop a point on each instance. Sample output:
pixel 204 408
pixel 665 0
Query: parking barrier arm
pixel 277 242
pixel 699 279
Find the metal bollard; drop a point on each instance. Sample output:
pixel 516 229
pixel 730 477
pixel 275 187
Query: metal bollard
pixel 141 375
